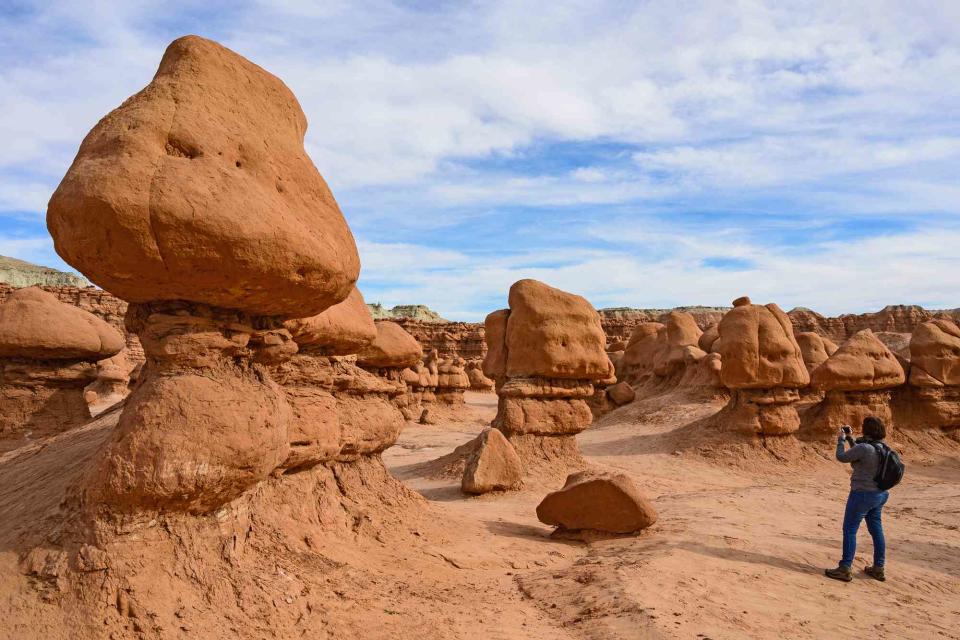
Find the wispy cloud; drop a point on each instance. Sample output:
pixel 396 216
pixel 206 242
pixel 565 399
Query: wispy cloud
pixel 642 154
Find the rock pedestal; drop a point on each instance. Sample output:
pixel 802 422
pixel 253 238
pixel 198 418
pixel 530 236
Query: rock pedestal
pixel 195 201
pixel 544 353
pixel 763 368
pixel 206 421
pixel 857 379
pixel 340 411
pixel 390 357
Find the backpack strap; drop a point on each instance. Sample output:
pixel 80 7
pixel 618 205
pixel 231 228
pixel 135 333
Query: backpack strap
pixel 881 450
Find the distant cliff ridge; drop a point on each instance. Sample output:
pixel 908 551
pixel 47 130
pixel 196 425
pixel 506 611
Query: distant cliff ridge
pixel 19 274
pixel 420 312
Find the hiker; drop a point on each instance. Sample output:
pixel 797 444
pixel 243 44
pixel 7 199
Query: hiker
pixel 866 499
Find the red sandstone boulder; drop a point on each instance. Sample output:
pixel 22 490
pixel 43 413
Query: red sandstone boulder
pixel 709 337
pixel 198 188
pixel 621 394
pixel 392 348
pixel 935 354
pixel 493 465
pixel 343 329
pixel 495 327
pixel 35 325
pixel 815 349
pixel 861 363
pixel 598 501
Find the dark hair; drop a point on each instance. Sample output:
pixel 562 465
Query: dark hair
pixel 873 428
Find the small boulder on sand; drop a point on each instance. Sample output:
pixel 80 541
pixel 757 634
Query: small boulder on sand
pixel 601 501
pixel 621 394
pixel 493 465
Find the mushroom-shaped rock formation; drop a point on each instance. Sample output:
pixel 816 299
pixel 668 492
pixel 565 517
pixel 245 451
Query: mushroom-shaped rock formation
pixel 931 400
pixel 395 356
pixel 815 349
pixel 857 380
pixel 47 351
pixel 212 134
pixel 196 202
pixel 545 353
pixel 493 465
pixel 763 367
pixel 597 502
pixel 662 356
pixel 340 411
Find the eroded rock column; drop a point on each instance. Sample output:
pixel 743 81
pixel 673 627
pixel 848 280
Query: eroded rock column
pixel 544 353
pixel 196 202
pixel 763 368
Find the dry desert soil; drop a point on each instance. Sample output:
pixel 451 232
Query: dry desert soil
pixel 738 551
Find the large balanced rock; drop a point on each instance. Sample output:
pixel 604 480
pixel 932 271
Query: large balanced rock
pixel 198 188
pixel 195 201
pixel 493 465
pixel 545 353
pixel 47 351
pixel 763 367
pixel 856 380
pixel 593 501
pixel 931 400
pixel 392 348
pixel 344 328
pixel 553 334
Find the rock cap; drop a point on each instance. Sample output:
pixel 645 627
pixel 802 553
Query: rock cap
pixel 35 324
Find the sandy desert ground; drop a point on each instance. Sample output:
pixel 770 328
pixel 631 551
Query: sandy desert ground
pixel 738 552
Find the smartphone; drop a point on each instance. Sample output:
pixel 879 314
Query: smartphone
pixel 847 430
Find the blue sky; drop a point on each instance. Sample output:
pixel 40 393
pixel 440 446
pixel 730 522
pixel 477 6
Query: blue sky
pixel 645 154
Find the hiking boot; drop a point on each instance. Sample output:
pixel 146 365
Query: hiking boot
pixel 840 573
pixel 875 572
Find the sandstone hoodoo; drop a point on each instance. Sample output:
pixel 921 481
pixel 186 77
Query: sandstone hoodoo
pixel 857 380
pixel 389 357
pixel 596 501
pixel 339 411
pixel 763 367
pixel 492 466
pixel 544 352
pixel 931 399
pixel 662 356
pixel 452 380
pixel 48 352
pixel 216 134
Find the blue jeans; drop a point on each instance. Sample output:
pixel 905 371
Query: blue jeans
pixel 860 505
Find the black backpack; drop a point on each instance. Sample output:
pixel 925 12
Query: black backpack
pixel 889 469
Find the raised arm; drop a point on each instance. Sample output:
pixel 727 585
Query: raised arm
pixel 850 455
